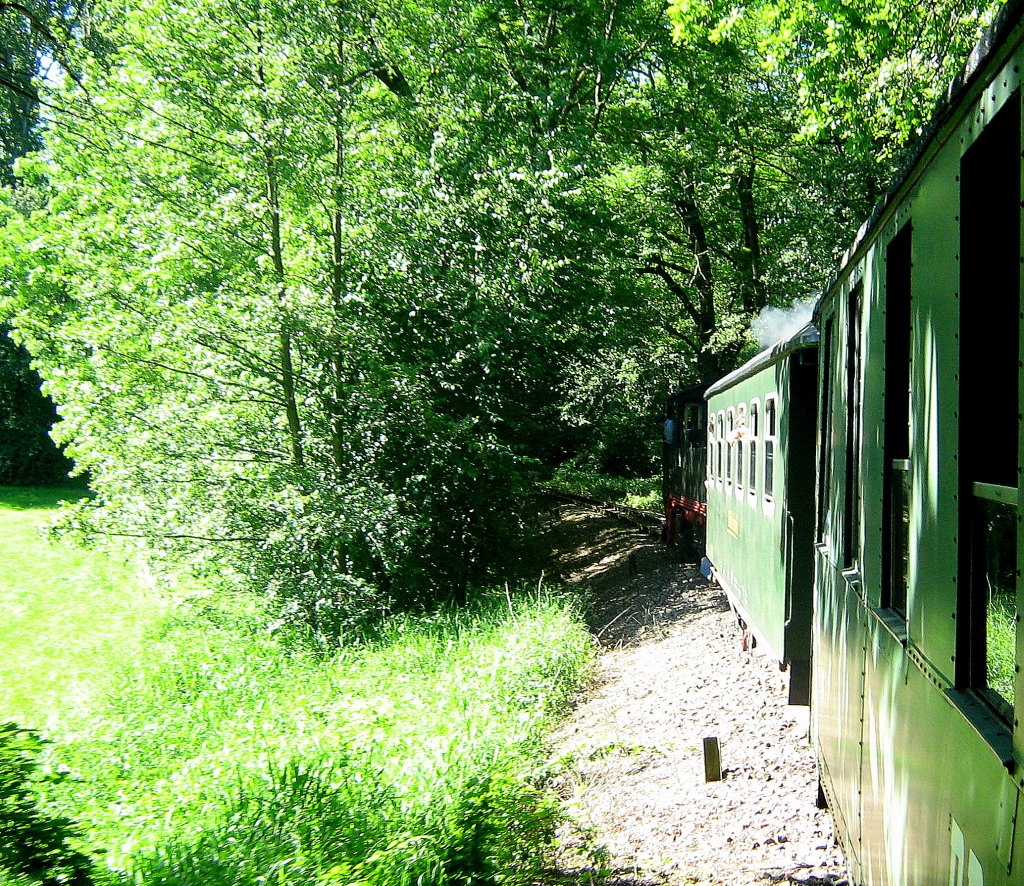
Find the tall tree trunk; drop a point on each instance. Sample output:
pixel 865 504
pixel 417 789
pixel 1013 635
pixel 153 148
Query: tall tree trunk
pixel 284 339
pixel 752 288
pixel 337 246
pixel 702 280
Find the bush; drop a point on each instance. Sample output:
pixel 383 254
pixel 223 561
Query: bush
pixel 34 846
pixel 636 492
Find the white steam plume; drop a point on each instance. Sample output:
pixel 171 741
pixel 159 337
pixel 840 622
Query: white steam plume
pixel 776 324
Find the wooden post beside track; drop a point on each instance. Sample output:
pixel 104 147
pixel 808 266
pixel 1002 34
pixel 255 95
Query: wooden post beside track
pixel 712 760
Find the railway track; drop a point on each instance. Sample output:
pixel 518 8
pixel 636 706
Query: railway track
pixel 647 520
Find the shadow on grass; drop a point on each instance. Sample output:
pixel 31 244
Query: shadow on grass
pixel 588 877
pixel 35 847
pixel 36 498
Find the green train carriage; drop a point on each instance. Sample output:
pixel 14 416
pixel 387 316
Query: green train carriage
pixel 684 460
pixel 760 498
pixel 918 540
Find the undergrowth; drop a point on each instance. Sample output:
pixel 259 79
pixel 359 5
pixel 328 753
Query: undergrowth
pixel 636 492
pixel 214 752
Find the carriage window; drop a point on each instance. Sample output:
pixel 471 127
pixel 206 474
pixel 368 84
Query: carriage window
pixel 752 451
pixel 730 430
pixel 739 467
pixel 825 440
pixel 989 361
pixel 851 509
pixel 995 525
pixel 711 448
pixel 769 447
pixel 741 429
pixel 896 482
pixel 719 442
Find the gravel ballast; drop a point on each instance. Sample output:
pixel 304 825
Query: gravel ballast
pixel 675 669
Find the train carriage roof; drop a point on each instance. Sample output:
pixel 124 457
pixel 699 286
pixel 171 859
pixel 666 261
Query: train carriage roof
pixel 807 337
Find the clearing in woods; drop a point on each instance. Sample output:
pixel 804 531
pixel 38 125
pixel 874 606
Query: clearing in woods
pixel 673 671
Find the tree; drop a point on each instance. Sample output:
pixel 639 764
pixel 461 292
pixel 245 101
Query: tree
pixel 294 332
pixel 27 454
pixel 313 282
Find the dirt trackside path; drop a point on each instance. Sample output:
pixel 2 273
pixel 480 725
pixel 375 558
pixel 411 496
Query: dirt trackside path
pixel 671 672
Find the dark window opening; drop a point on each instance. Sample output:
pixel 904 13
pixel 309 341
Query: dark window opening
pixel 729 431
pixel 721 437
pixel 896 483
pixel 769 448
pixel 711 448
pixel 825 429
pixel 851 510
pixel 741 428
pixel 989 401
pixel 752 447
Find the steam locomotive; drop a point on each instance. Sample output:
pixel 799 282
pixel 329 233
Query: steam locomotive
pixel 861 500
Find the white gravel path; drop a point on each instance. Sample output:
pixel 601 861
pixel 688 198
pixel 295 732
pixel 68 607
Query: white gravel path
pixel 672 671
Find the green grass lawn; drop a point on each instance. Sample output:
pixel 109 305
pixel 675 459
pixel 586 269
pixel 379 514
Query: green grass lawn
pixel 193 746
pixel 69 614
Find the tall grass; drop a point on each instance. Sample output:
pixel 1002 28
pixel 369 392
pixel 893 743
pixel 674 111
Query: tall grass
pixel 218 753
pixel 1001 645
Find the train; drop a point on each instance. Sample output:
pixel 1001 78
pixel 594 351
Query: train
pixel 683 465
pixel 861 502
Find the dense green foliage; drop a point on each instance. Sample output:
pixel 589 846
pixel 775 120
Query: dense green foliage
pixel 868 74
pixel 213 752
pixel 27 454
pixel 321 288
pixel 19 104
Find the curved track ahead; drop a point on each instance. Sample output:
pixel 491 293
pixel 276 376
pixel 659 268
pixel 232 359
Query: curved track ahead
pixel 648 520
